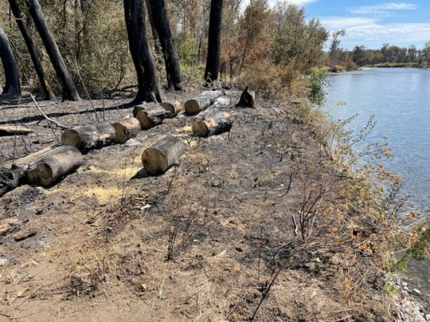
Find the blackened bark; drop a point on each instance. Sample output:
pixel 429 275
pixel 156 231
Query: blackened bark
pixel 149 88
pixel 69 90
pixel 12 87
pixel 48 94
pixel 214 41
pixel 153 28
pixel 170 52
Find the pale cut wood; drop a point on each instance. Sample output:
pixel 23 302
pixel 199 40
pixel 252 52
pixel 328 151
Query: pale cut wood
pixel 213 124
pixel 162 155
pixel 126 129
pixel 247 99
pixel 201 102
pixel 58 163
pixel 89 137
pixel 172 106
pixel 149 115
pixel 22 163
pixel 6 130
pixel 222 102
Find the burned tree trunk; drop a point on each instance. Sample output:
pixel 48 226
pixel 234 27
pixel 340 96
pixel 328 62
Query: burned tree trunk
pixel 162 155
pixel 69 90
pixel 247 99
pixel 201 102
pixel 153 28
pixel 48 94
pixel 214 41
pixel 126 129
pixel 149 88
pixel 170 52
pixel 56 164
pixel 212 125
pixel 13 87
pixel 89 137
pixel 149 115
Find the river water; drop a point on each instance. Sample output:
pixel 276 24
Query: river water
pixel 399 99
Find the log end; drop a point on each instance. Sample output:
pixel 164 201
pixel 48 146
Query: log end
pixel 40 174
pixel 154 161
pixel 192 107
pixel 71 137
pixel 172 107
pixel 126 129
pixel 140 114
pixel 200 129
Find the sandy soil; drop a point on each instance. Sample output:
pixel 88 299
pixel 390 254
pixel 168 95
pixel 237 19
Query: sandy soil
pixel 199 243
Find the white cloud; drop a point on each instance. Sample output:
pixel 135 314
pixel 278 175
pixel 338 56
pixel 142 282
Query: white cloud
pixel 297 2
pixel 372 34
pixel 336 23
pixel 383 9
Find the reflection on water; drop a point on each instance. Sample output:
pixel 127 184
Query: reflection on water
pixel 400 100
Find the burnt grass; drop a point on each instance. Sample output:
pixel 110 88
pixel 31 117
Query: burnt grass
pixel 199 243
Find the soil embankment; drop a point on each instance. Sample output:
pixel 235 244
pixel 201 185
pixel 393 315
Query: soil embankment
pixel 111 242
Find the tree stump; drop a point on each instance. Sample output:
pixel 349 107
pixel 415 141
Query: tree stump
pixel 162 155
pixel 214 124
pixel 247 99
pixel 149 115
pixel 89 137
pixel 56 164
pixel 201 102
pixel 173 107
pixel 126 129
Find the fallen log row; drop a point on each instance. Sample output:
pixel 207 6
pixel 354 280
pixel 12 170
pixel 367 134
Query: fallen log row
pixel 56 164
pixel 126 129
pixel 89 136
pixel 6 130
pixel 162 155
pixel 201 102
pixel 149 115
pixel 214 124
pixel 173 107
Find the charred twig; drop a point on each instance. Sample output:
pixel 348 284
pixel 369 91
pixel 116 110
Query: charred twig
pixel 46 117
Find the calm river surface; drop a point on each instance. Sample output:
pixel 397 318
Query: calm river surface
pixel 399 98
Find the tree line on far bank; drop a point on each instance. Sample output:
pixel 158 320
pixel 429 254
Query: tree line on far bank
pixel 386 56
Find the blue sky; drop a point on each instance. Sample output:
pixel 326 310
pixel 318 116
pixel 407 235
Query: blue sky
pixel 372 23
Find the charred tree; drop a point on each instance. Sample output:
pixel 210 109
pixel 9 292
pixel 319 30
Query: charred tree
pixel 12 87
pixel 149 88
pixel 153 28
pixel 69 90
pixel 170 52
pixel 214 41
pixel 48 94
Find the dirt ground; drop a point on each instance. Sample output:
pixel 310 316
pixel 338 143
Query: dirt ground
pixel 199 243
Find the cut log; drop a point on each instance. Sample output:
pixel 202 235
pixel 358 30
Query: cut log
pixel 14 130
pixel 222 102
pixel 162 155
pixel 89 137
pixel 212 125
pixel 173 107
pixel 247 99
pixel 201 102
pixel 58 163
pixel 126 129
pixel 22 163
pixel 10 179
pixel 149 115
